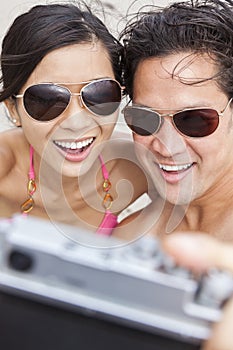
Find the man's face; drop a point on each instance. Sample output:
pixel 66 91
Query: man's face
pixel 183 168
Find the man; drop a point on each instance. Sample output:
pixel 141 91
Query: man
pixel 179 77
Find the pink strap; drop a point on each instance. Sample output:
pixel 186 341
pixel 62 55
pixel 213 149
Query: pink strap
pixel 104 169
pixel 31 172
pixel 108 223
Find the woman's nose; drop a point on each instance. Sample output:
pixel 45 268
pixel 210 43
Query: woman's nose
pixel 76 115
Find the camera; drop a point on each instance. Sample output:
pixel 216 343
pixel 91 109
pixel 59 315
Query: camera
pixel 130 284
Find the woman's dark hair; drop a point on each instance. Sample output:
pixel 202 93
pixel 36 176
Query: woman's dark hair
pixel 198 26
pixel 45 28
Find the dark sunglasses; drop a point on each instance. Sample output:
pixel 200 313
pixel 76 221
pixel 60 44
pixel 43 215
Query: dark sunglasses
pixel 47 101
pixel 198 122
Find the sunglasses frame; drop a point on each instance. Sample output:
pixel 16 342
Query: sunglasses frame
pixel 61 84
pixel 171 115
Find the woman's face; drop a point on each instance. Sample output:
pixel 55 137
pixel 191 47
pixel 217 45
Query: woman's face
pixel 70 143
pixel 183 168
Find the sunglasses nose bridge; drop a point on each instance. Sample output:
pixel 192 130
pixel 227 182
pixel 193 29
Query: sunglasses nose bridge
pixel 163 117
pixel 167 141
pixel 78 96
pixel 166 115
pixel 167 120
pixel 170 118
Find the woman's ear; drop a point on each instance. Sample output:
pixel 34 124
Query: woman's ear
pixel 11 111
pixel 231 116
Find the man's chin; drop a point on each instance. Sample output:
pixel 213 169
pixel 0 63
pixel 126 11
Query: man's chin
pixel 180 199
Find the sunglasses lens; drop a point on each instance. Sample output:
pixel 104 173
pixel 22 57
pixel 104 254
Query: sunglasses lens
pixel 45 102
pixel 141 120
pixel 197 122
pixel 102 97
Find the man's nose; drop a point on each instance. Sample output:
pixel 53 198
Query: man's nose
pixel 168 141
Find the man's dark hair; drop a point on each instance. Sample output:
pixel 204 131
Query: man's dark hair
pixel 195 27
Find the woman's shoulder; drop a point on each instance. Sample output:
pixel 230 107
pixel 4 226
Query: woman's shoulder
pixel 120 155
pixel 121 148
pixel 125 164
pixel 11 141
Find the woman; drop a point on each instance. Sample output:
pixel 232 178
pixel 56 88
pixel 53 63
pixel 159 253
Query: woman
pixel 61 75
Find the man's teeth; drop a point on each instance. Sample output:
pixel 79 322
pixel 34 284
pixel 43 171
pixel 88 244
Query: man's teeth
pixel 75 145
pixel 175 167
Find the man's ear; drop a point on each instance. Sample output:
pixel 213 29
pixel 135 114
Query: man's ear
pixel 11 111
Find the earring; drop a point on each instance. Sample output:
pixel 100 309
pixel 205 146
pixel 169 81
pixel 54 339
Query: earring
pixel 15 122
pixel 7 114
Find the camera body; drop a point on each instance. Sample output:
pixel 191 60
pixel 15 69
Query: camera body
pixel 133 284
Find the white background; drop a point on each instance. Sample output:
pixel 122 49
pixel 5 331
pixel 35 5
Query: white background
pixel 115 9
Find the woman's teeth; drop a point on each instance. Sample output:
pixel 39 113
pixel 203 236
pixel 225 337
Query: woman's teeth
pixel 175 167
pixel 74 145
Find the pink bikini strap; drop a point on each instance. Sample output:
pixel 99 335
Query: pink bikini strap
pixel 109 221
pixel 104 169
pixel 28 205
pixel 31 172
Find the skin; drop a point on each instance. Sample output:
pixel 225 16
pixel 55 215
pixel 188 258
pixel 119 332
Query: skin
pixel 203 192
pixel 200 252
pixel 73 124
pixel 197 197
pixel 67 190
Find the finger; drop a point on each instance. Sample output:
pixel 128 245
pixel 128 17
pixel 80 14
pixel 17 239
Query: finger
pixel 222 335
pixel 199 251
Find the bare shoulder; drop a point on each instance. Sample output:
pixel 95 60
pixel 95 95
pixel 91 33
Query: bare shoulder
pixel 121 149
pixel 126 171
pixel 10 142
pixel 131 170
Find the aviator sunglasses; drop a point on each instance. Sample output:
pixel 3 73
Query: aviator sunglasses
pixel 197 122
pixel 47 101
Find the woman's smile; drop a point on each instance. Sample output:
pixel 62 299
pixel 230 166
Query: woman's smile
pixel 75 150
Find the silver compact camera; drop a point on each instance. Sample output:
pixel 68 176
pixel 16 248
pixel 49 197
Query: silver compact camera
pixel 134 284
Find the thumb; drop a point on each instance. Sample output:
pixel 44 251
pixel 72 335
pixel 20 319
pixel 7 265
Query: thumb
pixel 199 251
